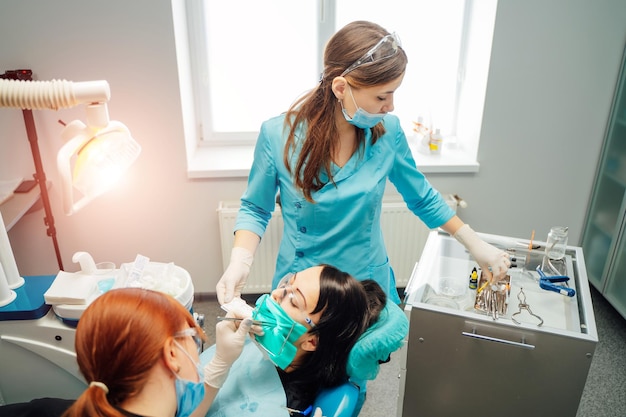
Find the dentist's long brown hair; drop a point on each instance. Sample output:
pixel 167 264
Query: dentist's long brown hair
pixel 313 115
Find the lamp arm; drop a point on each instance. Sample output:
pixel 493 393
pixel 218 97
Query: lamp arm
pixel 53 95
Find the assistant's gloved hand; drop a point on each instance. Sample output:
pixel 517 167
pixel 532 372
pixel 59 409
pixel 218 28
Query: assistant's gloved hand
pixel 229 341
pixel 492 260
pixel 234 278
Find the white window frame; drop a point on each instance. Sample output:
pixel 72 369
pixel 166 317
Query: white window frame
pixel 231 154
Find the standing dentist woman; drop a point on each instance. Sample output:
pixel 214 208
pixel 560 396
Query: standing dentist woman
pixel 329 158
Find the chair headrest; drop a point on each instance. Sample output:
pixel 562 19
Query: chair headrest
pixel 378 342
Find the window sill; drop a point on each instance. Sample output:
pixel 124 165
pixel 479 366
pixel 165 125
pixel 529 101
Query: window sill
pixel 235 161
pixel 451 160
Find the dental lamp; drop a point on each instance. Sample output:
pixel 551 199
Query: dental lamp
pixel 103 149
pixel 95 154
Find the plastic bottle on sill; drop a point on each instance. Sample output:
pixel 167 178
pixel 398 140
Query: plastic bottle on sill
pixel 435 142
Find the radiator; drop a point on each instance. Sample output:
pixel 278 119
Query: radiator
pixel 404 233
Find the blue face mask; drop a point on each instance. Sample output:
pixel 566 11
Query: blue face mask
pixel 281 331
pixel 189 394
pixel 361 118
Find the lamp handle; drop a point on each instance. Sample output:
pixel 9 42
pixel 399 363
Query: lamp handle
pixel 64 165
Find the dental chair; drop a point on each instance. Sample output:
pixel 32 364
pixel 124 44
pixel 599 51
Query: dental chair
pixel 372 349
pixel 239 397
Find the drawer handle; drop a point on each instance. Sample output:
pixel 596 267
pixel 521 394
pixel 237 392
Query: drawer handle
pixel 495 339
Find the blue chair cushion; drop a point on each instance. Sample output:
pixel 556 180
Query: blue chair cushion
pixel 341 401
pixel 377 343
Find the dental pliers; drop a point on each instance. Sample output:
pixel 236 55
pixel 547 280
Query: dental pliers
pixel 523 306
pixel 548 283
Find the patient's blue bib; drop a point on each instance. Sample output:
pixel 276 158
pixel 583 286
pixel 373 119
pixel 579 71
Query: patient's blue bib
pixel 252 388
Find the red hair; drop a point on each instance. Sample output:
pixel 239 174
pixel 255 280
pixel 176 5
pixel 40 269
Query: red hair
pixel 119 339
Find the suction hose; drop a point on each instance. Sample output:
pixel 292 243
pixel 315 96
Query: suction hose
pixel 55 94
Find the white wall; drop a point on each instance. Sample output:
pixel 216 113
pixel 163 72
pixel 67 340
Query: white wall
pixel 552 75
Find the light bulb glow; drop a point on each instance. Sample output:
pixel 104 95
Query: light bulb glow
pixel 102 161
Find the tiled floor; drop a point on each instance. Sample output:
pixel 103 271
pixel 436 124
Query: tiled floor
pixel 603 396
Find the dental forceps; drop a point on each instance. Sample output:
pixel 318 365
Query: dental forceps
pixel 521 296
pixel 548 283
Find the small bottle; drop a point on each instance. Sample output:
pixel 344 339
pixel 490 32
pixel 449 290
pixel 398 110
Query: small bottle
pixel 435 142
pixel 473 281
pixel 557 242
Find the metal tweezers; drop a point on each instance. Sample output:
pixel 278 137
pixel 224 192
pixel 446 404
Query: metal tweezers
pixel 523 306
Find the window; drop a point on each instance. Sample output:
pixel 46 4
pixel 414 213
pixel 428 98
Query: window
pixel 251 59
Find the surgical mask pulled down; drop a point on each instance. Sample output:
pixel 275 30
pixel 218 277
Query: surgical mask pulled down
pixel 361 118
pixel 280 331
pixel 189 394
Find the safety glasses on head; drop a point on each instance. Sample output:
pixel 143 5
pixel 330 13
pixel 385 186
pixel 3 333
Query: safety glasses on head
pixel 284 289
pixel 193 332
pixel 385 48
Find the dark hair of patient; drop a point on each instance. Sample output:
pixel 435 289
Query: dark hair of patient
pixel 346 306
pixel 377 299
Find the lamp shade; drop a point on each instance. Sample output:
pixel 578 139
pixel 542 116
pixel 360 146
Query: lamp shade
pixel 93 160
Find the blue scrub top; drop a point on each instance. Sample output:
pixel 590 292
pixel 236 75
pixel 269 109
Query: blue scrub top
pixel 342 228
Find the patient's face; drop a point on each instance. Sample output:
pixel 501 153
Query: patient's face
pixel 287 318
pixel 299 297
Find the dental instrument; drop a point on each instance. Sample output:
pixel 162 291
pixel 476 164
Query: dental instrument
pixel 254 322
pixel 548 283
pixel 521 296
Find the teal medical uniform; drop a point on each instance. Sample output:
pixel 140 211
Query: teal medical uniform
pixel 342 227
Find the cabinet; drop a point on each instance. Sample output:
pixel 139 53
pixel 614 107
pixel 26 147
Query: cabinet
pixel 604 240
pixel 459 361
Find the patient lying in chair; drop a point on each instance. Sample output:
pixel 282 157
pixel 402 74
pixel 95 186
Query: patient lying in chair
pixel 317 334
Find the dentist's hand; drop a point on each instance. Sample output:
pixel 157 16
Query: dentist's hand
pixel 238 308
pixel 234 278
pixel 492 260
pixel 229 341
